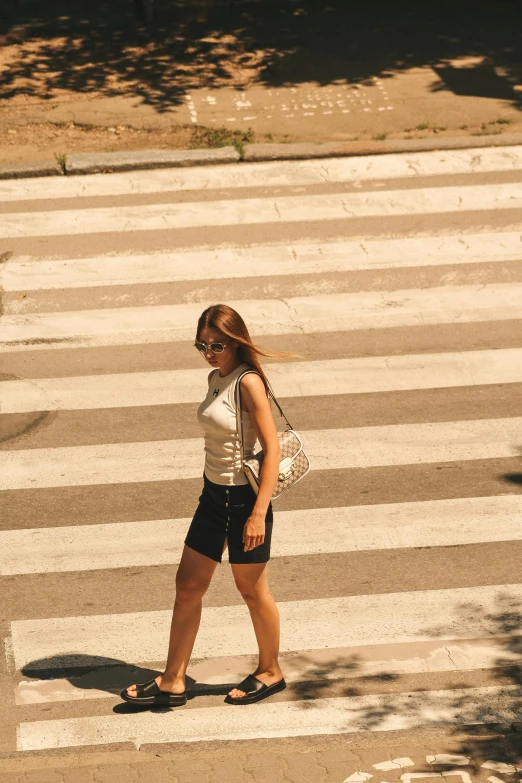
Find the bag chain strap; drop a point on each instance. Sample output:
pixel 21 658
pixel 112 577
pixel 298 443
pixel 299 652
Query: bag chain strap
pixel 237 394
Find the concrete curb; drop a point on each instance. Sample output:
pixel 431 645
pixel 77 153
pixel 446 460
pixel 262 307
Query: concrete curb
pixel 454 143
pixel 39 168
pixel 99 162
pixel 108 162
pixel 265 152
pixel 302 151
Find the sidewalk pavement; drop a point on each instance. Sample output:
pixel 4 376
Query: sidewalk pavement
pixel 408 108
pixel 397 104
pixel 383 757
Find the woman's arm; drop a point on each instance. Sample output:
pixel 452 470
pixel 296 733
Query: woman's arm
pixel 254 400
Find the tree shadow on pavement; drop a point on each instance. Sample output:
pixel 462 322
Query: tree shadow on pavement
pixel 483 726
pixel 100 49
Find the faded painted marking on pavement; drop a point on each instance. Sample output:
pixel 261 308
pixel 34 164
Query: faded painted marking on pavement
pixel 344 715
pixel 334 449
pixel 284 209
pixel 297 315
pixel 350 529
pixel 298 379
pixel 316 624
pixel 31 274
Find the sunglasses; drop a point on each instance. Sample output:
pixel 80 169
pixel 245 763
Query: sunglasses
pixel 214 347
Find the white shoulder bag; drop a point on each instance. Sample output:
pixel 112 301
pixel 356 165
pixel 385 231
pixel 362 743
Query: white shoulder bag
pixel 294 463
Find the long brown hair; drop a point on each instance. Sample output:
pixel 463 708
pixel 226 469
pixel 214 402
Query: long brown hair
pixel 229 322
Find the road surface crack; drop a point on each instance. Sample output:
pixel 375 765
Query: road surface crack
pixel 349 211
pixel 326 174
pixel 413 168
pixel 294 317
pixel 451 659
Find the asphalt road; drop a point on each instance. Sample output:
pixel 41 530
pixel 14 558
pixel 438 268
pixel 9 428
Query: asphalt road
pixel 396 562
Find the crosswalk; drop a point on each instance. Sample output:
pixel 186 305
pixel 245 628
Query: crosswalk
pixel 299 379
pixel 288 209
pixel 397 281
pixel 323 530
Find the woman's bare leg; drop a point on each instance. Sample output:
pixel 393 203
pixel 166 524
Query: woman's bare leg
pixel 252 583
pixel 193 577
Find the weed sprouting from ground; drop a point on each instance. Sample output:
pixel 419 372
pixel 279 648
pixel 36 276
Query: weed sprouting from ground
pixel 61 159
pixel 212 138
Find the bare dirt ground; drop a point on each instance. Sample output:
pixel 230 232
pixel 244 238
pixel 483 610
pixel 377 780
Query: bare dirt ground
pixel 46 141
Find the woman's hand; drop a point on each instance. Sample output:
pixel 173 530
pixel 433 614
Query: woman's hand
pixel 254 531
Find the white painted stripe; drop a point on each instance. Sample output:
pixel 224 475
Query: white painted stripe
pixel 321 530
pixel 260 260
pixel 328 664
pixel 343 715
pixel 283 209
pixel 298 379
pixel 361 620
pixel 297 315
pixel 334 449
pixel 281 173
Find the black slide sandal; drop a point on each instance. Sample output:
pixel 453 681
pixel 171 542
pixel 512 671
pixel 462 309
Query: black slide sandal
pixel 255 690
pixel 148 694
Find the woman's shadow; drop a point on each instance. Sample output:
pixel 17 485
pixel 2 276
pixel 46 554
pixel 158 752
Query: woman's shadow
pixel 56 677
pixel 513 478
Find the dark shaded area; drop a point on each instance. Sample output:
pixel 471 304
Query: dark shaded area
pixel 485 729
pixel 91 672
pixel 158 50
pixel 513 478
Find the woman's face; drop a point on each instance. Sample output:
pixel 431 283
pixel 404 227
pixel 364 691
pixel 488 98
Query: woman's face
pixel 224 360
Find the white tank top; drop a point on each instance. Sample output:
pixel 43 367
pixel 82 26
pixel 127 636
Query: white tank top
pixel 217 416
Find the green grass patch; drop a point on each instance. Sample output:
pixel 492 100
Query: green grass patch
pixel 212 138
pixel 380 136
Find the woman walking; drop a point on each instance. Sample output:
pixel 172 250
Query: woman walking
pixel 229 514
